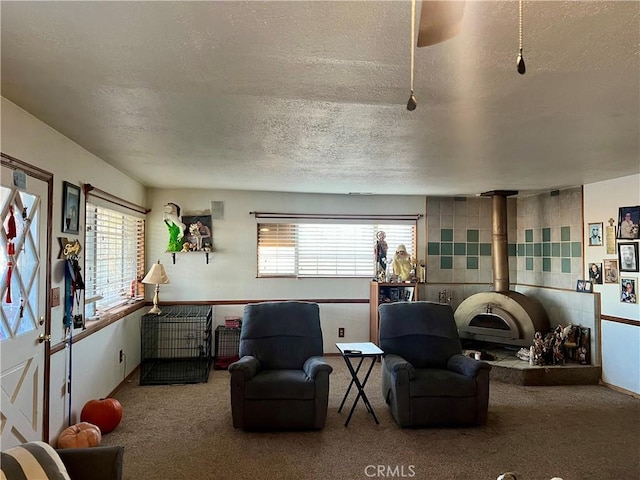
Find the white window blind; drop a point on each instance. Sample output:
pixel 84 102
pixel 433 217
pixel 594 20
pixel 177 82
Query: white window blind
pixel 342 249
pixel 114 257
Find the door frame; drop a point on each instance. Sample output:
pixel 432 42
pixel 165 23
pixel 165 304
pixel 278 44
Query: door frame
pixel 47 177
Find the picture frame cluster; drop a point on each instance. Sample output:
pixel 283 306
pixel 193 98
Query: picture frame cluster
pixel 615 270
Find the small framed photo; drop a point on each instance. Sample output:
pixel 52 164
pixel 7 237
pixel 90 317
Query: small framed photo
pixel 629 223
pixel 628 290
pixel 595 273
pixel 70 208
pixel 595 234
pixel 628 256
pixel 610 271
pixel 584 286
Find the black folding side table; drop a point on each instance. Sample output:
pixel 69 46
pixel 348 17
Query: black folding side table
pixel 352 351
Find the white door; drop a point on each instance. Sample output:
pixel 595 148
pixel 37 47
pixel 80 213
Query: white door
pixel 22 307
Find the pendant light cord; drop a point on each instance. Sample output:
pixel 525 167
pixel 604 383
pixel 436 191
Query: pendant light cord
pixel 413 27
pixel 519 25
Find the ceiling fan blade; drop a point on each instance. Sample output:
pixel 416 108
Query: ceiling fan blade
pixel 439 21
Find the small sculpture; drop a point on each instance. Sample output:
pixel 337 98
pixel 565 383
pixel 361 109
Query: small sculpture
pixel 176 228
pixel 380 251
pixel 402 265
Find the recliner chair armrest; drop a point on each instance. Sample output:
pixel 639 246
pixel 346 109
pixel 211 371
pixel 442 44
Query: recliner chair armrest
pixel 396 363
pixel 466 365
pixel 95 463
pixel 314 365
pixel 247 365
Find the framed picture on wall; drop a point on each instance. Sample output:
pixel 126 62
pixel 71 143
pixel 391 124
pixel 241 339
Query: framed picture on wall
pixel 611 271
pixel 629 222
pixel 628 291
pixel 595 273
pixel 628 256
pixel 70 208
pixel 595 234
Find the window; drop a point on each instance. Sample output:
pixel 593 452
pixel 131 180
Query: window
pixel 340 249
pixel 114 253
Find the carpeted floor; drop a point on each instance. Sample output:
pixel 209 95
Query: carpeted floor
pixel 574 432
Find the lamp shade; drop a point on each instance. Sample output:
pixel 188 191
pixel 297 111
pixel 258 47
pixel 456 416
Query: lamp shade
pixel 156 275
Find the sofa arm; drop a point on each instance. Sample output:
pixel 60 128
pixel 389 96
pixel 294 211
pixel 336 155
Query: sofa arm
pixel 247 366
pixel 466 366
pixel 314 365
pixel 395 364
pixel 96 463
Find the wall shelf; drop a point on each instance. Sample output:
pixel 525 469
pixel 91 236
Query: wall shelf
pixel 206 255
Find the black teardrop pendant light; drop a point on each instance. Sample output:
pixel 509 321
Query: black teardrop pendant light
pixel 520 60
pixel 412 103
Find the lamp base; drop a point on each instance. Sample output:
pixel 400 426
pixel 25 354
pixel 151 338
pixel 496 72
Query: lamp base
pixel 155 310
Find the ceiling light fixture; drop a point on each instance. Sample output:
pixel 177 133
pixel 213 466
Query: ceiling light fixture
pixel 520 60
pixel 412 103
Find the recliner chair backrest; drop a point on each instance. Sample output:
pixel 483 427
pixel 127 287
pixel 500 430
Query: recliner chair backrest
pixel 281 335
pixel 423 333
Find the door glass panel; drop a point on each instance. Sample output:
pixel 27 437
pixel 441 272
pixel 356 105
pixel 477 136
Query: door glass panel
pixel 19 270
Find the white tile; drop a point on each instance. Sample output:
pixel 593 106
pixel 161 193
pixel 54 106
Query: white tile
pixel 446 221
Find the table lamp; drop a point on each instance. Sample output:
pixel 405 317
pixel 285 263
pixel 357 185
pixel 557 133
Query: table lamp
pixel 156 276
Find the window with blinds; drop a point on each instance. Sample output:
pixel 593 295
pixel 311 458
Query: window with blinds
pixel 327 249
pixel 114 258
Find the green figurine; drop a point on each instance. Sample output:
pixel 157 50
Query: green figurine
pixel 176 228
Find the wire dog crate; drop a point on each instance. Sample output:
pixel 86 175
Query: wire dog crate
pixel 176 345
pixel 227 346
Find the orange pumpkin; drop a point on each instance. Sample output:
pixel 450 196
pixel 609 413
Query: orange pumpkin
pixel 106 413
pixel 80 435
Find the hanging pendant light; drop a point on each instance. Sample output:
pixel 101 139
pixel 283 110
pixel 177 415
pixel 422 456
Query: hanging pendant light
pixel 520 60
pixel 412 103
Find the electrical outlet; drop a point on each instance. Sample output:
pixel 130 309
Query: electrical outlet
pixel 121 356
pixel 55 296
pixel 341 332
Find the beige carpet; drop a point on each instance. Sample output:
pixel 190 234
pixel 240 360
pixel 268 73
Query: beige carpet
pixel 575 432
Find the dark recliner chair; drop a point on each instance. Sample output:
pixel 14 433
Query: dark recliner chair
pixel 426 381
pixel 281 381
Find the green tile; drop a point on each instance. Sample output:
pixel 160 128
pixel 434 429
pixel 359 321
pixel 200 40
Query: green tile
pixel 529 263
pixel 433 248
pixel 459 248
pixel 537 249
pixel 472 263
pixel 521 249
pixel 473 248
pixel 565 234
pixel 528 249
pixel 446 235
pixel 473 236
pixel 555 249
pixel 546 249
pixel 566 265
pixel 576 249
pixel 511 249
pixel 546 234
pixel 446 263
pixel 528 235
pixel 446 248
pixel 546 264
pixel 565 249
pixel 485 249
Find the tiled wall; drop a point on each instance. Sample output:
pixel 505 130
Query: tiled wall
pixel 459 240
pixel 549 251
pixel 544 239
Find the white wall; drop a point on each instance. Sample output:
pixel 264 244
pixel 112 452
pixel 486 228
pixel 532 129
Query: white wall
pixel 620 341
pixel 96 369
pixel 231 272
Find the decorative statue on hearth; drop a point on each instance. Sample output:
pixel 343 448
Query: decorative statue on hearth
pixel 175 226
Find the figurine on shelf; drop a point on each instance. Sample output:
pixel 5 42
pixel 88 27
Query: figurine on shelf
pixel 380 251
pixel 402 265
pixel 175 226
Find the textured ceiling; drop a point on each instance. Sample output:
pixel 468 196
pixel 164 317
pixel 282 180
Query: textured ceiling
pixel 311 96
